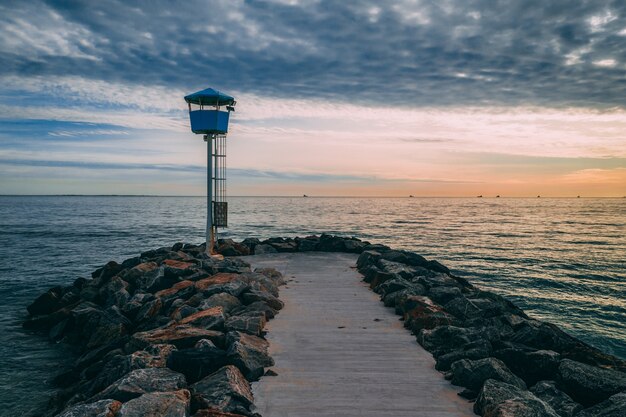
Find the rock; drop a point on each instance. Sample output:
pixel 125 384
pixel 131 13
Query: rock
pixel 142 381
pixel 47 303
pixel 307 245
pixel 94 326
pixel 249 353
pixel 354 246
pixel 135 276
pixel 226 390
pixel 196 363
pixel 614 406
pixel 250 242
pixel 256 307
pixel 252 323
pixel 114 293
pixel 443 295
pixel 158 404
pixel 499 399
pixel 229 283
pixel 392 285
pixel 181 336
pixel 367 258
pixel 211 319
pixel 254 295
pixel 557 399
pixel 375 277
pixel 272 274
pixel 135 304
pixel 398 298
pixel 329 243
pixel 183 289
pixel 531 366
pixel 444 339
pixel 286 246
pixel 589 385
pixel 229 247
pixel 463 308
pixel 182 312
pixel 473 373
pixel 103 408
pixel 107 271
pixel 480 349
pixel 263 248
pixel 149 310
pixel 154 356
pixel 420 312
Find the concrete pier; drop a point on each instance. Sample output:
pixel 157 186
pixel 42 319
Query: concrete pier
pixel 340 352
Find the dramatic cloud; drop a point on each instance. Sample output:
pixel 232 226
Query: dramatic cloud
pixel 362 97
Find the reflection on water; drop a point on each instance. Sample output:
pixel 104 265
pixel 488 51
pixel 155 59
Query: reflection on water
pixel 562 260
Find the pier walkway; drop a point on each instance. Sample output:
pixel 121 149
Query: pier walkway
pixel 339 352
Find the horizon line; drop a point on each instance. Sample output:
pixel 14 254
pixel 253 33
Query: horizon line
pixel 300 196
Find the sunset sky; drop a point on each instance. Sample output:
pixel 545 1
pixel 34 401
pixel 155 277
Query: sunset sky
pixel 430 98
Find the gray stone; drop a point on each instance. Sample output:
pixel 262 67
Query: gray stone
pixel 196 363
pixel 252 323
pixel 158 404
pixel 102 408
pixel 263 248
pixel 589 385
pixel 557 399
pixel 142 381
pixel 499 399
pixel 249 353
pixel 226 301
pixel 614 406
pixel 226 390
pixel 254 295
pixel 472 374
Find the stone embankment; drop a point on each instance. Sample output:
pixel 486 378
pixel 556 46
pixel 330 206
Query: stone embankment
pixel 171 332
pixel 175 333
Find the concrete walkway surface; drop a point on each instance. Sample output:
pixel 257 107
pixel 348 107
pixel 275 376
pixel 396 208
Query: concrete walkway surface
pixel 339 352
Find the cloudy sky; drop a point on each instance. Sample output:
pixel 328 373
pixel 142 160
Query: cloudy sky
pixel 433 98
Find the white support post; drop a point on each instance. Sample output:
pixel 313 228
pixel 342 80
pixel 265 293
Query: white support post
pixel 209 195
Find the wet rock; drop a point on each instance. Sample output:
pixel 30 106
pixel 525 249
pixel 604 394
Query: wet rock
pixel 158 404
pixel 211 319
pixel 375 277
pixel 149 310
pixel 499 399
pixel 229 247
pixel 102 408
pixel 182 312
pixel 135 303
pixel 135 276
pixel 94 326
pixel 252 323
pixel 392 285
pixel 557 399
pixel 354 246
pixel 142 381
pixel 614 406
pixel 398 298
pixel 226 390
pixel 107 271
pixel 254 296
pixel 286 246
pixel 263 248
pixel 154 356
pixel 307 245
pixel 47 303
pixel 272 274
pixel 473 373
pixel 114 292
pixel 463 308
pixel 181 336
pixel 197 362
pixel 329 243
pixel 589 385
pixel 249 353
pixel 250 242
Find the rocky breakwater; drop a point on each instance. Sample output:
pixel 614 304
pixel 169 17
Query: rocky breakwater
pixel 171 332
pixel 510 364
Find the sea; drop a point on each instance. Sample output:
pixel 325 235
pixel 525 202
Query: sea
pixel 562 260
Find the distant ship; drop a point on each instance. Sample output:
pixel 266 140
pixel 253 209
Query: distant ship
pixel 479 196
pixel 498 196
pixel 304 195
pixel 411 196
pixel 538 196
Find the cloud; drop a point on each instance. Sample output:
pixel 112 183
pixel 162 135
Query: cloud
pixel 415 53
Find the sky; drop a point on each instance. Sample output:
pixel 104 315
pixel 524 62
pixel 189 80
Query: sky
pixel 334 98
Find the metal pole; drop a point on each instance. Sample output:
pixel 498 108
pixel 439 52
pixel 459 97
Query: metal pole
pixel 209 195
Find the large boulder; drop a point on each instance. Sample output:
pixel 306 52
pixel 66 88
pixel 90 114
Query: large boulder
pixel 249 353
pixel 252 323
pixel 47 303
pixel 210 319
pixel 420 312
pixel 499 399
pixel 181 336
pixel 557 399
pixel 114 293
pixel 93 326
pixel 227 282
pixel 254 295
pixel 102 408
pixel 366 259
pixel 196 363
pixel 531 366
pixel 589 385
pixel 476 350
pixel 158 404
pixel 142 381
pixel 226 301
pixel 263 248
pixel 445 339
pixel 226 390
pixel 614 406
pixel 473 373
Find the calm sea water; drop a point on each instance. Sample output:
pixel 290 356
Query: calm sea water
pixel 562 260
